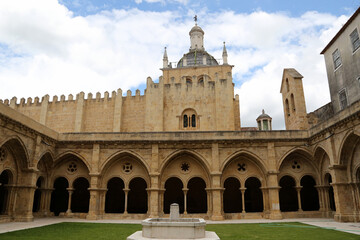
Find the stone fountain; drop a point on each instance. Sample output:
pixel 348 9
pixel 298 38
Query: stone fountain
pixel 173 228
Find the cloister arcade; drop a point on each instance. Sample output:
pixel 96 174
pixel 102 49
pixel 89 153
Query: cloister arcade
pixel 308 183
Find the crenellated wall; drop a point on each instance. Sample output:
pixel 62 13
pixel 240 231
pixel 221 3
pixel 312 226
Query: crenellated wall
pixel 209 93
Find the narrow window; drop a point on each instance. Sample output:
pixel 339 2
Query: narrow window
pixel 292 102
pixel 287 107
pixel 336 58
pixel 287 85
pixel 343 99
pixel 266 125
pixel 193 120
pixel 185 121
pixel 354 37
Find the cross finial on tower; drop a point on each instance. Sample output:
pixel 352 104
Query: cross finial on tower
pixel 195 19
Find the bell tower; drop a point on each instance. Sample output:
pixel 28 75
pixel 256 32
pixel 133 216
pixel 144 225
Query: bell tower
pixel 293 100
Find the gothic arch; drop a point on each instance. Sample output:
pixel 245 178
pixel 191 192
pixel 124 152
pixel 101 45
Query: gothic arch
pixel 63 157
pixel 47 152
pixel 297 163
pixel 249 155
pixel 18 149
pixel 120 160
pixel 201 160
pixel 120 154
pixel 348 143
pixel 301 151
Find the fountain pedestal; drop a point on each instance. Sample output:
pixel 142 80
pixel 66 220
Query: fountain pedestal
pixel 173 228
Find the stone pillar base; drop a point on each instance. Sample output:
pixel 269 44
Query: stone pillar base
pixel 23 218
pixel 275 215
pixel 92 217
pixel 345 217
pixel 217 217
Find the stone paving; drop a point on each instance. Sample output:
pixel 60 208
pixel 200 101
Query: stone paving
pixel 319 222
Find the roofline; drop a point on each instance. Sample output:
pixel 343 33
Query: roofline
pixel 341 30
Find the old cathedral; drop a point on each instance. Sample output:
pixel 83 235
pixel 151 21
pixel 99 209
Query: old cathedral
pixel 131 156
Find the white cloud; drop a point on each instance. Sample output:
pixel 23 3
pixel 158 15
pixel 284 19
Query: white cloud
pixel 45 49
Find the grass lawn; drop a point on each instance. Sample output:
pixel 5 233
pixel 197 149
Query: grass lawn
pixel 98 231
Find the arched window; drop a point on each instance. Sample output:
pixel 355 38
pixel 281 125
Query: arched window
pixel 287 85
pixel 188 80
pixel 189 120
pixel 287 109
pixel 186 121
pixel 292 103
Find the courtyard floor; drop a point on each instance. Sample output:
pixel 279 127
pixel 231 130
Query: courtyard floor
pixel 319 222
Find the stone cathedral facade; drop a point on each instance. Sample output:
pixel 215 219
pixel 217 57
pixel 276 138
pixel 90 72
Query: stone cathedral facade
pixel 132 156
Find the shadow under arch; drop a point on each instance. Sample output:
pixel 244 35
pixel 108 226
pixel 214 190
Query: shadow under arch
pixel 183 152
pixel 120 154
pixel 347 148
pixel 18 149
pixel 69 155
pixel 301 152
pixel 249 156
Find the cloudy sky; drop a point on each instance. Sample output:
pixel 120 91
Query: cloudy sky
pixel 60 47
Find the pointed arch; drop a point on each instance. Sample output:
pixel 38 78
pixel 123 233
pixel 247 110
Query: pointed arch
pixel 182 152
pixel 18 149
pixel 297 150
pixel 348 144
pixel 249 155
pixel 121 154
pixel 67 155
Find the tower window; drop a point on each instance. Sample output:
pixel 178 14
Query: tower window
pixel 292 102
pixel 186 120
pixel 355 41
pixel 343 99
pixel 287 85
pixel 336 58
pixel 189 120
pixel 287 109
pixel 193 120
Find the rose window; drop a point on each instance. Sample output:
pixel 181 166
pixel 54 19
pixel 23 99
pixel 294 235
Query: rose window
pixel 296 166
pixel 185 167
pixel 127 167
pixel 72 167
pixel 241 167
pixel 2 154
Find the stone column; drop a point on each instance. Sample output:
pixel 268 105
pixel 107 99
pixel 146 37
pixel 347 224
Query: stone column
pixel 272 183
pixel 45 207
pixel 264 194
pixel 70 190
pixel 161 201
pixel 274 197
pixel 153 196
pixel 126 190
pixel 342 193
pixel 243 199
pixel 102 193
pixel 185 190
pixel 94 202
pixel 322 201
pixel 216 190
pixel 326 198
pixel 298 190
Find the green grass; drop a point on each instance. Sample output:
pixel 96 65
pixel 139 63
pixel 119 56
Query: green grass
pixel 99 231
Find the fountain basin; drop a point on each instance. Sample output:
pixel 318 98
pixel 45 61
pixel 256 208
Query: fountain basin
pixel 165 228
